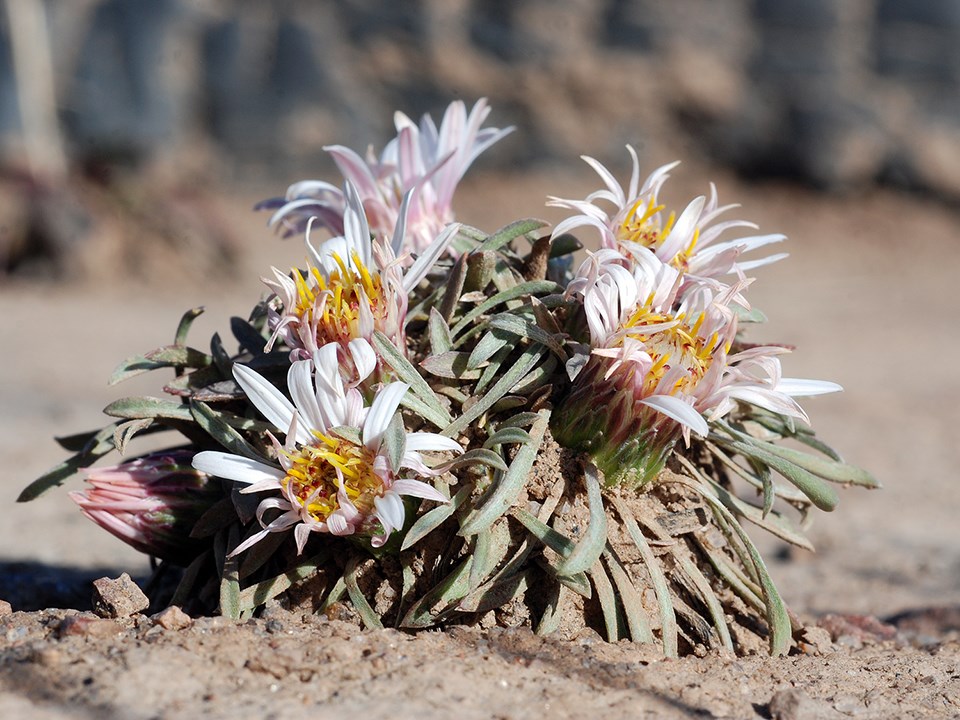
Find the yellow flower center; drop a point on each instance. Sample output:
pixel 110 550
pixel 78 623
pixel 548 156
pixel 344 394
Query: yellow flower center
pixel 313 480
pixel 679 345
pixel 640 227
pixel 334 304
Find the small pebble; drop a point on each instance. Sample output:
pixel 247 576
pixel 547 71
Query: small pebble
pixel 5 608
pixel 173 618
pixel 118 598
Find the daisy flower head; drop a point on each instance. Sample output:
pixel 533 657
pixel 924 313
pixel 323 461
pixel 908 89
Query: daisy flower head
pixel 423 161
pixel 353 285
pixel 660 362
pixel 339 470
pixel 632 217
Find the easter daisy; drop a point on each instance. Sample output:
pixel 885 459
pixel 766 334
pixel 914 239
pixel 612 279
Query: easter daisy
pixel 338 471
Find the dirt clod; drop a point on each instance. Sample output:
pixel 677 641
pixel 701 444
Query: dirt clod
pixel 87 625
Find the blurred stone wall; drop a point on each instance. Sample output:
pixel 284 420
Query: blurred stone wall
pixel 839 93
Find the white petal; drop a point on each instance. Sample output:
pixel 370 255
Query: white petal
pixel 678 410
pixel 300 382
pixel 431 441
pixel 381 412
pixel 416 488
pixel 682 231
pixel 235 467
pixel 422 265
pixel 799 387
pixel 364 358
pixel 390 511
pixel 267 399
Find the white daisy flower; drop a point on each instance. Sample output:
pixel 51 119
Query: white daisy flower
pixel 353 285
pixel 325 481
pixel 660 362
pixel 422 159
pixel 689 242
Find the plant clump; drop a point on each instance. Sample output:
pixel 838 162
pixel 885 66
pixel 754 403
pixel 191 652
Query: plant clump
pixel 433 424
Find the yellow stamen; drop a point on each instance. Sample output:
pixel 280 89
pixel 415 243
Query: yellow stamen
pixel 333 303
pixel 641 228
pixel 312 478
pixel 678 345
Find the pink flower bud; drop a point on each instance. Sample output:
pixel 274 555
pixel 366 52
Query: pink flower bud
pixel 151 503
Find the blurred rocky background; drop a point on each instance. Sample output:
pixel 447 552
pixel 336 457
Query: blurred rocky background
pixel 142 109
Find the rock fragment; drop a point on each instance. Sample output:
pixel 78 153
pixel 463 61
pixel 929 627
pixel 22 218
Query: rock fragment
pixel 117 598
pixel 173 618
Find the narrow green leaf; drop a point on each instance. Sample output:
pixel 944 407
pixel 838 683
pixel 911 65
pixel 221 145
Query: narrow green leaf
pixel 823 467
pixel 490 373
pixel 148 407
pixel 417 406
pixel 256 595
pixel 522 290
pixel 126 431
pixel 215 426
pixel 507 436
pixel 777 617
pixel 523 365
pixel 588 550
pixel 179 356
pixel 440 339
pixel 131 367
pixel 389 353
pixel 668 617
pixel 230 581
pixel 787 492
pixel 395 442
pixel 509 233
pixel 556 541
pixel 451 364
pixel 553 613
pixel 185 322
pixel 477 456
pixel 360 604
pixel 524 328
pixel 488 345
pixel 709 598
pixel 248 336
pixel 430 521
pixel 501 495
pixel 524 419
pixel 450 590
pixel 828 468
pixel 637 622
pixel 99 445
pixel 820 494
pixel 496 594
pixel 608 601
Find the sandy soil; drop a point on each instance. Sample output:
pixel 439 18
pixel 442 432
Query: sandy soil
pixel 868 296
